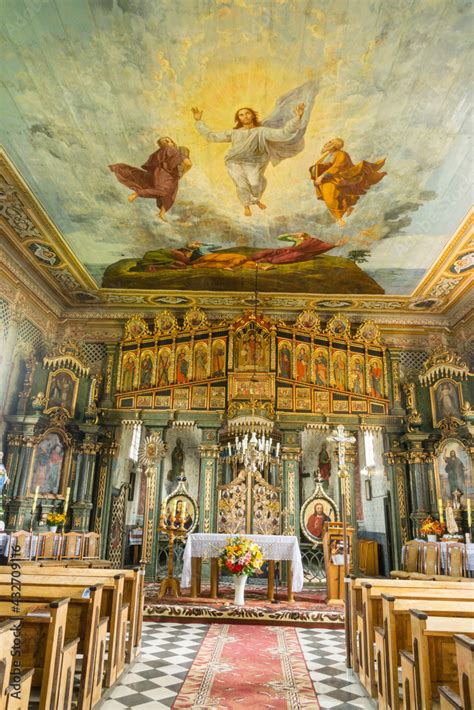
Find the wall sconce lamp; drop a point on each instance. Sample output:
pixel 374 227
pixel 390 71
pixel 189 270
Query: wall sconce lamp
pixel 368 472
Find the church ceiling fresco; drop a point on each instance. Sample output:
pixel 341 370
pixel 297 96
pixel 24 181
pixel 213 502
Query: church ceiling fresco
pixel 191 146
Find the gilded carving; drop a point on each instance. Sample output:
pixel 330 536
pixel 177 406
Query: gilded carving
pixel 291 474
pixel 402 503
pixel 208 474
pixel 396 381
pixel 443 363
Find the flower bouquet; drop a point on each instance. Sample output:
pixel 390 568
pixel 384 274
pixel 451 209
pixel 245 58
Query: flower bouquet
pixel 432 528
pixel 242 558
pixel 54 519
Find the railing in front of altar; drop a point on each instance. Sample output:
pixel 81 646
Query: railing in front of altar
pixel 313 564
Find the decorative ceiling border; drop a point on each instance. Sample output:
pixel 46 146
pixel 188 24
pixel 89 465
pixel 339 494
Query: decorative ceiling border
pixel 27 226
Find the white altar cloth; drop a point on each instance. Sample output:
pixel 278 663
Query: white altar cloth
pixel 273 547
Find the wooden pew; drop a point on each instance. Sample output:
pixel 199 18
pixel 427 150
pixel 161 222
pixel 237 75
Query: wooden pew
pixel 396 626
pixel 83 623
pixel 19 698
pixel 371 615
pixel 465 660
pixel 134 593
pixel 382 675
pixel 67 669
pixel 465 663
pixel 112 606
pixel 42 633
pixel 6 645
pixel 434 654
pixel 408 680
pixel 355 593
pixel 363 620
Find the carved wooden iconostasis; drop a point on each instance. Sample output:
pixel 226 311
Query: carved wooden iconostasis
pixel 303 367
pixel 259 371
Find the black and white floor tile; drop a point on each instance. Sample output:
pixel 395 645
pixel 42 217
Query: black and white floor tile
pixel 154 680
pixel 336 685
pixel 168 651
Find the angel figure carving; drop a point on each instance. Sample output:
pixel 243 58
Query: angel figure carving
pixel 256 143
pixel 340 183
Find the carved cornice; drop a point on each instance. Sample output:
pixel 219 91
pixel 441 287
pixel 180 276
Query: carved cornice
pixel 182 424
pixel 209 451
pixel 443 363
pixel 68 354
pixel 395 457
pixel 289 453
pixel 89 448
pixel 10 266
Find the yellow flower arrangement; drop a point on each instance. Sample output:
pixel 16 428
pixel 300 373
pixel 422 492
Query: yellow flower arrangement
pixel 55 518
pixel 429 526
pixel 241 556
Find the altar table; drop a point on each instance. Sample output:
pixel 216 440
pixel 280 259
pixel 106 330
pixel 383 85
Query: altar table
pixel 273 547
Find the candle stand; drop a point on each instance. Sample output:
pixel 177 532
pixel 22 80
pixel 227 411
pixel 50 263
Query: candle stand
pixel 173 526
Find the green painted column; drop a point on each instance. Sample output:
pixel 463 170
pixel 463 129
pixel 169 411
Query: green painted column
pixel 151 535
pixel 399 506
pixel 101 510
pixel 417 460
pixel 20 453
pixel 84 482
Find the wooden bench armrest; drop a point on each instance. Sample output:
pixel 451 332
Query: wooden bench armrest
pixel 465 641
pixel 449 699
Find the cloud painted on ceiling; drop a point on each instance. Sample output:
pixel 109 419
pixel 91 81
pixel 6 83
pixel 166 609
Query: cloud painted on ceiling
pixel 89 84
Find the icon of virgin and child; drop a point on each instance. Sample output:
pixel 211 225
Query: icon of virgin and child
pixel 254 145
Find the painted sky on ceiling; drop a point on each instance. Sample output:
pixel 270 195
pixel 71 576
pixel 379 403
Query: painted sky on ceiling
pixel 87 84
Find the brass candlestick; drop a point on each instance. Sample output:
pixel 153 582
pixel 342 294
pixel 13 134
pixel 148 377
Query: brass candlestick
pixel 173 526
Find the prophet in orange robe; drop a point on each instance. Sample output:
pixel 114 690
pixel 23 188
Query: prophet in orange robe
pixel 340 183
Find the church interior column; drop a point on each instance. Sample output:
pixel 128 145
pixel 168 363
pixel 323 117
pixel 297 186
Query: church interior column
pixel 208 486
pixel 19 508
pixel 104 482
pixel 397 470
pixel 81 506
pixel 416 459
pixel 290 459
pixel 150 547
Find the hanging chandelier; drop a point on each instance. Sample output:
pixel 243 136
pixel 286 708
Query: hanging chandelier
pixel 254 452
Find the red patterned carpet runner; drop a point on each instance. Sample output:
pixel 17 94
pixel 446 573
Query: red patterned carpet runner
pixel 243 667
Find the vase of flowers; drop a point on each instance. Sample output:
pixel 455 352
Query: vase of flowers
pixel 54 519
pixel 432 529
pixel 240 557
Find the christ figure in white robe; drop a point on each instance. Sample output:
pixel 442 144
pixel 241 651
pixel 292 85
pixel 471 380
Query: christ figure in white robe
pixel 255 144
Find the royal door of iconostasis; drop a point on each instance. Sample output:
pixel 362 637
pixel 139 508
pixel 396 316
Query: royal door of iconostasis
pixel 249 504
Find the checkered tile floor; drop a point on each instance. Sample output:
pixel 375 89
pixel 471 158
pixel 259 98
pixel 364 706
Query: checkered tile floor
pixel 154 680
pixel 335 685
pixel 168 651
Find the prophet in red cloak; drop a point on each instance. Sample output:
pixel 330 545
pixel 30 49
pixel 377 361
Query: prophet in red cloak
pixel 304 248
pixel 159 177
